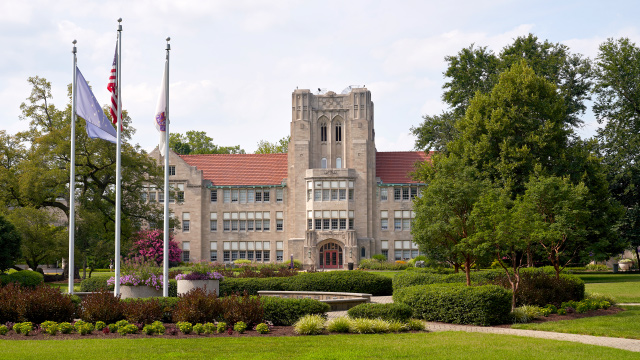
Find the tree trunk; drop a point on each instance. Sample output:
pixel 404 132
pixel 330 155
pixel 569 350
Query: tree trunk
pixel 529 257
pixel 467 270
pixel 637 258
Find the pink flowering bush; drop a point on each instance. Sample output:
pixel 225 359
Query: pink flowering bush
pixel 139 271
pixel 149 244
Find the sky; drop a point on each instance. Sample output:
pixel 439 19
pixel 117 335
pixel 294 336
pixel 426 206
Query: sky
pixel 234 64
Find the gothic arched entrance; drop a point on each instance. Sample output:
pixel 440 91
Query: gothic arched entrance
pixel 330 256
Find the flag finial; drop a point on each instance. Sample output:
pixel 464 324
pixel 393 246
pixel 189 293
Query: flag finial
pixel 119 20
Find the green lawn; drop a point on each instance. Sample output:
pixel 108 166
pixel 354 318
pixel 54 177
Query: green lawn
pixel 441 345
pixel 624 324
pixel 624 288
pixel 387 273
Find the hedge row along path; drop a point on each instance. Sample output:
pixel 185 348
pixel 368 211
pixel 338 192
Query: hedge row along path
pixel 618 343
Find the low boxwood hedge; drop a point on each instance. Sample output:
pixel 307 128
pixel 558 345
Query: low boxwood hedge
pixel 457 304
pixel 393 311
pixel 330 281
pixel 286 312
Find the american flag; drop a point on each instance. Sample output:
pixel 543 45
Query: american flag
pixel 113 88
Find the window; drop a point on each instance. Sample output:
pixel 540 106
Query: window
pixel 243 196
pixel 226 256
pixel 385 253
pixel 279 255
pixel 338 132
pixel 326 193
pixel 265 195
pixel 350 224
pixel 318 224
pixel 323 132
pixel 226 194
pixel 279 221
pixel 363 252
pixel 405 193
pixel 414 192
pixel 226 225
pixel 186 247
pixel 350 194
pixel 186 222
pixel 397 194
pixel 161 197
pixel 266 256
pixel 334 194
pixel 317 195
pixel 144 197
pixel 251 195
pixel 384 220
pixel 279 195
pixel 214 195
pixel 323 163
pixel 338 163
pixel 266 225
pixel 152 196
pixel 402 220
pixel 172 170
pixel 310 224
pixel 258 196
pixel 234 196
pixel 384 193
pixel 343 224
pixel 213 222
pixel 405 249
pixel 213 252
pixel 343 194
pixel 309 192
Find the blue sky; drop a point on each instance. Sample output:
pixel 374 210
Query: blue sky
pixel 235 63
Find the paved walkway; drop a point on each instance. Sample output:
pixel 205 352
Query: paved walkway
pixel 618 343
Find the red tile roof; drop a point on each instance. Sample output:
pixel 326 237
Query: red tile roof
pixel 394 167
pixel 240 169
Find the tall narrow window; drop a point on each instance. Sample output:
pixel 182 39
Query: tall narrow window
pixel 323 163
pixel 338 163
pixel 323 132
pixel 338 132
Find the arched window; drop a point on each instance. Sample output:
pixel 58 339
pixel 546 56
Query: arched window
pixel 338 132
pixel 323 163
pixel 338 163
pixel 363 252
pixel 323 132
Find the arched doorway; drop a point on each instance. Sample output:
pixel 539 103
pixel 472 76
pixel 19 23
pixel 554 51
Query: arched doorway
pixel 330 256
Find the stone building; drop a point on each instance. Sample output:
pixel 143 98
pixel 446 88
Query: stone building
pixel 331 200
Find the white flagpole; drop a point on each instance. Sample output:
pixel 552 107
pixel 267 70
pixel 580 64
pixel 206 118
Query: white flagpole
pixel 165 276
pixel 72 177
pixel 118 163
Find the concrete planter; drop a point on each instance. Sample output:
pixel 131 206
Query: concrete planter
pixel 624 266
pixel 144 291
pixel 210 286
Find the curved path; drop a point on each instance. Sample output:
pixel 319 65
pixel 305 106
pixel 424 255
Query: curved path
pixel 619 343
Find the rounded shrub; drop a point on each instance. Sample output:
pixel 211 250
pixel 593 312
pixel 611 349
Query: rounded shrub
pixel 340 324
pixel 94 284
pixel 281 311
pixel 25 278
pixel 393 311
pixel 539 286
pixel 101 306
pixel 198 306
pixel 262 328
pixel 457 304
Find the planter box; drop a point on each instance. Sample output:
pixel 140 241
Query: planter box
pixel 127 292
pixel 210 286
pixel 624 266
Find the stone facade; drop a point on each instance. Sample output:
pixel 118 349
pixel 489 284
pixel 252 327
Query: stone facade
pixel 332 200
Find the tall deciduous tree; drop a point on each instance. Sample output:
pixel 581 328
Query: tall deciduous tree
pixel 518 125
pixel 39 172
pixel 558 216
pixel 617 107
pixel 443 225
pixel 10 241
pixel 266 147
pixel 477 69
pixel 197 142
pixel 42 241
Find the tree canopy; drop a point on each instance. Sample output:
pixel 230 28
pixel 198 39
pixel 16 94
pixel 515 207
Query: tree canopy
pixel 282 146
pixel 10 240
pixel 197 142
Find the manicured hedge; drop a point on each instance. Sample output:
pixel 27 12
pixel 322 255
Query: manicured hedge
pixel 457 304
pixel 539 286
pixel 428 276
pixel 286 312
pixel 23 277
pixel 336 281
pixel 393 311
